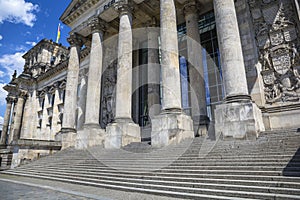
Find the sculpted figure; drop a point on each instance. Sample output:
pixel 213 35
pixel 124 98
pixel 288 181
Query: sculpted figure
pixel 295 54
pixel 266 60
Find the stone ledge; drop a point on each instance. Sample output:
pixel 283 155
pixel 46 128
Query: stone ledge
pixel 38 144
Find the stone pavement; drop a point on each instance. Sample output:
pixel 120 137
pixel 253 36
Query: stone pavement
pixel 21 188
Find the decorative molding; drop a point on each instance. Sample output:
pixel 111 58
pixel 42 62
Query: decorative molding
pixel 75 40
pixel 190 7
pixel 96 25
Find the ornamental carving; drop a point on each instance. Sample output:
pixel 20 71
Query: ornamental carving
pixel 108 103
pixel 277 37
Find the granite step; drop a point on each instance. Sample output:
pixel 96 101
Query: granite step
pixel 269 194
pixel 153 177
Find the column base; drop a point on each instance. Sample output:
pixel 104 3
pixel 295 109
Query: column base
pixel 239 120
pixel 67 137
pixel 171 128
pixel 91 135
pixel 200 124
pixel 121 133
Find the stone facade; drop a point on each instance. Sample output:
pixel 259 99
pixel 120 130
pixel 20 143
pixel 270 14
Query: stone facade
pixel 152 71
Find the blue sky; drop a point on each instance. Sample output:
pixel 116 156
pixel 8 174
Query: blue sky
pixel 23 23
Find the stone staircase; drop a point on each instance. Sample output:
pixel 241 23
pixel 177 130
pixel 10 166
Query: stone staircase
pixel 268 168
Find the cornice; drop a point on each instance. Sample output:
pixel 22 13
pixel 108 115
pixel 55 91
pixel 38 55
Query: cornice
pixel 77 9
pixel 58 68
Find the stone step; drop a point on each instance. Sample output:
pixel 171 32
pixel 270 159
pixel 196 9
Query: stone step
pixel 153 178
pixel 188 164
pixel 183 184
pixel 281 164
pixel 204 191
pixel 264 177
pixel 208 155
pixel 240 171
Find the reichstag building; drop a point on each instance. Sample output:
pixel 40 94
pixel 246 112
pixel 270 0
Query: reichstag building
pixel 158 72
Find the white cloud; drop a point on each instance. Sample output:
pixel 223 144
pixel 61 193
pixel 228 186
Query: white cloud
pixel 11 62
pixel 3 94
pixel 1 37
pixel 31 43
pixel 18 11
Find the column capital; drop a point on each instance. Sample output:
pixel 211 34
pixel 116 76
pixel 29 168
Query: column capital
pixel 190 7
pixel 96 25
pixel 56 85
pixel 23 94
pixel 123 7
pixel 75 40
pixel 10 99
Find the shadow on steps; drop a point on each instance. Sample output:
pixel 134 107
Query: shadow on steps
pixel 293 167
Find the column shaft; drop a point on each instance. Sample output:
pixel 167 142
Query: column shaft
pixel 123 131
pixel 124 72
pixel 196 74
pixel 94 78
pixel 171 92
pixel 55 115
pixel 6 121
pixel 153 72
pixel 70 105
pixel 237 117
pixel 230 48
pixel 15 135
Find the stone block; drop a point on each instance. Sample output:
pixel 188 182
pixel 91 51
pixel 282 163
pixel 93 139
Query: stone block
pixel 120 134
pixel 90 136
pixel 238 120
pixel 179 126
pixel 282 118
pixel 67 139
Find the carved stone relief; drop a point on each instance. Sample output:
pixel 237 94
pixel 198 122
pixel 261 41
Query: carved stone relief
pixel 109 79
pixel 277 33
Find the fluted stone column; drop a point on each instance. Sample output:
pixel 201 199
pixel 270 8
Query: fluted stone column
pixel 6 121
pixel 123 131
pixel 15 135
pixel 196 73
pixel 231 50
pixel 172 125
pixel 27 118
pixel 83 76
pixel 153 72
pixel 68 130
pixel 34 109
pixel 92 133
pixel 45 131
pixel 55 114
pixel 94 76
pixel 171 91
pixel 238 117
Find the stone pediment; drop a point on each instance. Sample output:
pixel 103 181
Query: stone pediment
pixel 76 8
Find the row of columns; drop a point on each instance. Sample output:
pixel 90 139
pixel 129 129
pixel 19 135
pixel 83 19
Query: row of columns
pixel 231 58
pixel 13 113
